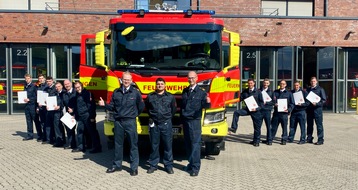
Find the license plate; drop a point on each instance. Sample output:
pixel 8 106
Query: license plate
pixel 176 130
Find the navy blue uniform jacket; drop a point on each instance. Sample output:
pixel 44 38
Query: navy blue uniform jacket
pixel 193 103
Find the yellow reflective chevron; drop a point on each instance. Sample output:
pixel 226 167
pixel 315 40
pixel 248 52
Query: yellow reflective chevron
pixel 93 83
pixel 172 87
pixel 220 84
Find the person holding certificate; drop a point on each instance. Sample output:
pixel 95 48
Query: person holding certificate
pixel 298 114
pixel 49 137
pixel 267 95
pixel 254 112
pixel 69 98
pixel 284 104
pixel 30 107
pixel 40 118
pixel 314 111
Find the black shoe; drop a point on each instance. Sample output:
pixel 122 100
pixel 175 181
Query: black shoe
pixel 283 143
pixel 194 173
pixel 208 157
pixel 77 150
pixel 57 145
pixel 309 140
pixel 319 143
pixel 256 144
pixel 151 170
pixel 96 150
pixel 67 147
pixel 169 170
pixel 113 169
pixel 232 130
pixel 27 139
pixel 264 141
pixel 134 172
pixel 269 143
pixel 45 142
pixel 187 169
pixel 289 141
pixel 39 139
pixel 251 142
pixel 301 142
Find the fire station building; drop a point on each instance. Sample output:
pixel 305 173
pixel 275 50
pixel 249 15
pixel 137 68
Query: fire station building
pixel 280 39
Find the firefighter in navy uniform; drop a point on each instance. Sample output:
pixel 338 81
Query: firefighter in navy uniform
pixel 40 116
pixel 298 116
pixel 161 107
pixel 314 112
pixel 281 117
pixel 58 127
pixel 69 98
pixel 50 132
pixel 266 109
pixel 127 104
pixel 95 141
pixel 255 114
pixel 194 100
pixel 30 106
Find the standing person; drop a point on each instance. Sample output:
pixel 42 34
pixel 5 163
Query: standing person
pixel 40 116
pixel 281 117
pixel 92 129
pixel 255 113
pixel 194 100
pixel 69 98
pixel 30 106
pixel 127 104
pixel 49 125
pixel 161 107
pixel 314 112
pixel 298 116
pixel 267 108
pixel 58 127
pixel 82 110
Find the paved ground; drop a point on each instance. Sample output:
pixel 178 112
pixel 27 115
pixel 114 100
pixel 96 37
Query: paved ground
pixel 31 165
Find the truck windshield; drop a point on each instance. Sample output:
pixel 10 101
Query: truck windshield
pixel 167 50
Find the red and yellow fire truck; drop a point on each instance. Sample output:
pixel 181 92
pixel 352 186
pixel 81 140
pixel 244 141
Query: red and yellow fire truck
pixel 167 44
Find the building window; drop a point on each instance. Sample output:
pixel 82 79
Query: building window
pixel 142 4
pixel 287 7
pixel 30 5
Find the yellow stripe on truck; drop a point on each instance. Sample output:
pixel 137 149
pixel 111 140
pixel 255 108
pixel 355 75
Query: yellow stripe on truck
pixel 93 83
pixel 172 87
pixel 219 85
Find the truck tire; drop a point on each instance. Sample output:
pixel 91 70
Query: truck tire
pixel 212 148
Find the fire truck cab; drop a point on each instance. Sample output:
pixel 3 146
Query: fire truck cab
pixel 168 44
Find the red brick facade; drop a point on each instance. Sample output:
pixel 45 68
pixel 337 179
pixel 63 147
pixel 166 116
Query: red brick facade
pixel 67 28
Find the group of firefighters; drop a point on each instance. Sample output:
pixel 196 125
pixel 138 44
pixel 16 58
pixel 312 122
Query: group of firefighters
pixel 301 109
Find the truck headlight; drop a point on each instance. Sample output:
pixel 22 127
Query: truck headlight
pixel 109 116
pixel 214 117
pixel 205 85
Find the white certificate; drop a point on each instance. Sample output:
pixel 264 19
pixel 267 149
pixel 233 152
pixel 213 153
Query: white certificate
pixel 281 105
pixel 21 95
pixel 42 99
pixel 51 103
pixel 251 103
pixel 298 96
pixel 313 98
pixel 266 97
pixel 68 120
pixel 39 95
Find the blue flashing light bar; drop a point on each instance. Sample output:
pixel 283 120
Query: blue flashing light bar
pixel 211 12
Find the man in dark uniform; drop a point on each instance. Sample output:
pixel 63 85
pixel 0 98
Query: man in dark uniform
pixel 127 104
pixel 58 127
pixel 161 106
pixel 69 98
pixel 30 107
pixel 40 116
pixel 194 100
pixel 314 112
pixel 281 117
pixel 255 113
pixel 95 141
pixel 298 115
pixel 267 108
pixel 50 132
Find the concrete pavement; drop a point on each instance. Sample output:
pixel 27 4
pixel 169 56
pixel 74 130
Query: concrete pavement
pixel 334 165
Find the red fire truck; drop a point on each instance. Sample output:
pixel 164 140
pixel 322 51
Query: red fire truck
pixel 167 44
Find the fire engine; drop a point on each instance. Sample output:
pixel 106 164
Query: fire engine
pixel 167 44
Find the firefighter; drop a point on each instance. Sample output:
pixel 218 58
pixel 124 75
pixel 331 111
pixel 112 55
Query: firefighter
pixel 127 104
pixel 30 106
pixel 58 127
pixel 161 106
pixel 314 112
pixel 255 113
pixel 281 117
pixel 69 98
pixel 266 109
pixel 194 100
pixel 40 116
pixel 298 116
pixel 50 133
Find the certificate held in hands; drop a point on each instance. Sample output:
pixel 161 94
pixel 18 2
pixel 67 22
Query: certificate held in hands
pixel 266 97
pixel 22 95
pixel 51 102
pixel 298 96
pixel 313 98
pixel 251 103
pixel 281 105
pixel 68 120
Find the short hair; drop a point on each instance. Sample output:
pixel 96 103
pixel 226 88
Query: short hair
pixel 127 73
pixel 313 78
pixel 59 83
pixel 80 83
pixel 297 82
pixel 250 79
pixel 40 75
pixel 266 79
pixel 49 78
pixel 159 80
pixel 27 75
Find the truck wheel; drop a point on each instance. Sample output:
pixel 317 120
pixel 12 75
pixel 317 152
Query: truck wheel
pixel 212 148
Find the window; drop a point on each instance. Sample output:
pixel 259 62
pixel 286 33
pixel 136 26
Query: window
pixel 59 60
pixel 287 7
pixel 29 5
